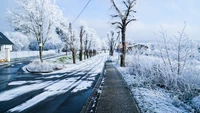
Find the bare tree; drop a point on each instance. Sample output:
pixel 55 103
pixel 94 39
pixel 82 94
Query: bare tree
pixel 125 17
pixel 112 41
pixel 82 32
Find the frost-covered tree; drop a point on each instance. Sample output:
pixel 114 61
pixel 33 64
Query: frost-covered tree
pixel 73 42
pixel 96 43
pixel 63 37
pixel 21 41
pixel 104 45
pixel 82 32
pixel 87 41
pixel 176 51
pixel 112 41
pixel 125 17
pixel 38 19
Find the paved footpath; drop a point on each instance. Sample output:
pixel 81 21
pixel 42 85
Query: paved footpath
pixel 115 97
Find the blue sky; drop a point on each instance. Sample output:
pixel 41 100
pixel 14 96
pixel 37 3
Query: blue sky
pixel 151 14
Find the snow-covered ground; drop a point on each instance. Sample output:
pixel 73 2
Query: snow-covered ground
pixel 161 93
pixel 154 100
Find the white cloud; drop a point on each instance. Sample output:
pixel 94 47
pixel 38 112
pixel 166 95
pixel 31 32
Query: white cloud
pixel 142 31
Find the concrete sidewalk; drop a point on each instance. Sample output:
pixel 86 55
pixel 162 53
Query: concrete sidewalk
pixel 115 97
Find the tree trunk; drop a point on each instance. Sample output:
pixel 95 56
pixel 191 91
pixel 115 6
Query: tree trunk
pixel 81 49
pixel 111 50
pixel 40 53
pixel 66 49
pixel 74 57
pixel 84 55
pixel 122 63
pixel 87 54
pixel 111 53
pixel 80 55
pixel 66 52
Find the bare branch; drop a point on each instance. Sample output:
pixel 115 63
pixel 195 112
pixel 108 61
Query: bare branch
pixel 117 9
pixel 117 23
pixel 119 27
pixel 114 16
pixel 130 21
pixel 125 4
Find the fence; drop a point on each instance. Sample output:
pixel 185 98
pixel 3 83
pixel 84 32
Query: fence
pixel 2 56
pixel 28 54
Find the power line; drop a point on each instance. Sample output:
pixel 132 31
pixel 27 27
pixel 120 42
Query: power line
pixel 81 11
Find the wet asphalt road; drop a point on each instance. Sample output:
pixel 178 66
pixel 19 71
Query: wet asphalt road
pixel 51 93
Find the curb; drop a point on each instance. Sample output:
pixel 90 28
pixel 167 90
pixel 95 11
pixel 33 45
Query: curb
pixel 91 103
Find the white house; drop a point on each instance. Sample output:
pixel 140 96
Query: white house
pixel 5 48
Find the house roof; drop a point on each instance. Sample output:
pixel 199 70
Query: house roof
pixel 120 45
pixel 4 39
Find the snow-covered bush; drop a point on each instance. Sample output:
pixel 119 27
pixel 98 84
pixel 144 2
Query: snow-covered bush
pixel 52 44
pixel 196 103
pixel 172 65
pixel 151 72
pixel 34 46
pixel 21 42
pixel 38 67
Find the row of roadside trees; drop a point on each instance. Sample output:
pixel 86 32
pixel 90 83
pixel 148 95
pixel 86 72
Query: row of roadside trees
pixel 43 21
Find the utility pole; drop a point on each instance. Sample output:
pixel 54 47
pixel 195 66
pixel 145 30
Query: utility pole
pixel 118 45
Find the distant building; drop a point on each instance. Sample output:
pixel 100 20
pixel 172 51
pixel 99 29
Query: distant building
pixel 119 48
pixel 5 48
pixel 130 47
